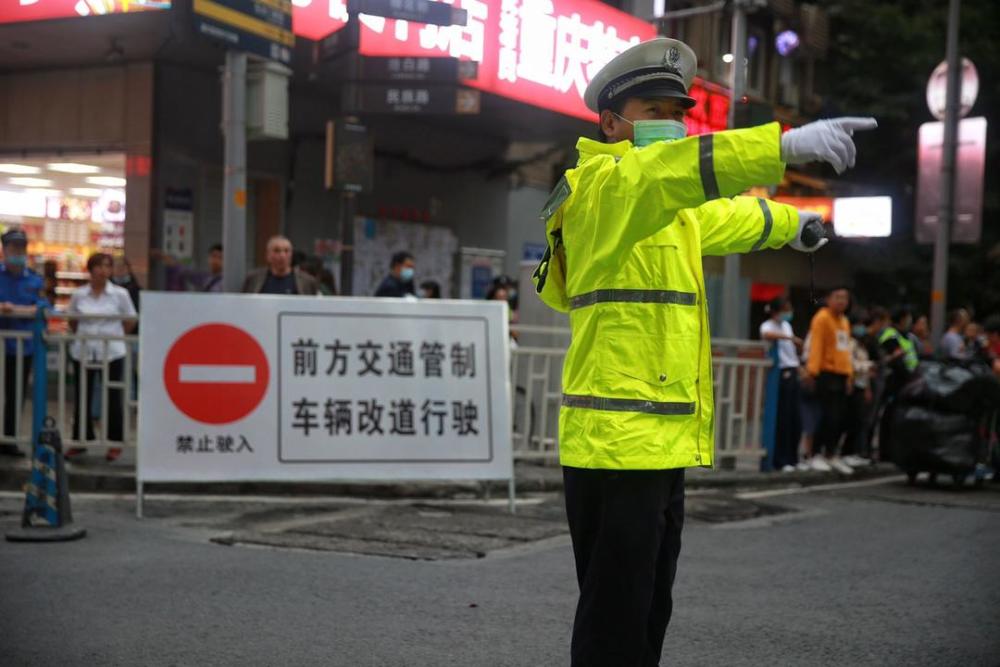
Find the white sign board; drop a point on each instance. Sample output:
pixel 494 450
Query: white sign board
pixel 860 217
pixel 970 165
pixel 240 387
pixel 937 89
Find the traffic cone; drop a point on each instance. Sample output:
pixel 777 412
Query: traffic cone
pixel 47 514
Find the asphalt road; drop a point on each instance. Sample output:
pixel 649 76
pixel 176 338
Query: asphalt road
pixel 868 575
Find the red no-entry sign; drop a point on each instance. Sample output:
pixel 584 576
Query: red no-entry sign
pixel 216 373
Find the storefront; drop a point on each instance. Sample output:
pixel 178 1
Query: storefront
pixel 76 141
pixel 143 89
pixel 70 206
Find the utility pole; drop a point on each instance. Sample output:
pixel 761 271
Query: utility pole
pixel 234 131
pixel 731 277
pixel 939 290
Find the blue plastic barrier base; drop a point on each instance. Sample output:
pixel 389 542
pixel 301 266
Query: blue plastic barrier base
pixel 44 534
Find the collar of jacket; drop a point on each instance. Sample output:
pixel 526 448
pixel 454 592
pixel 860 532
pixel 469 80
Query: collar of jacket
pixel 589 148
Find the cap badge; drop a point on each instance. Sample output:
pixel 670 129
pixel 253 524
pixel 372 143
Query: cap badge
pixel 670 59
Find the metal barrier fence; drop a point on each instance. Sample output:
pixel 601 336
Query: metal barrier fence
pixel 739 369
pixel 68 395
pixel 739 372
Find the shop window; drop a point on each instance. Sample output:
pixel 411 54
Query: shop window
pixel 70 207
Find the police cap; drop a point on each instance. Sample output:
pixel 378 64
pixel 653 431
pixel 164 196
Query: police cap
pixel 14 235
pixel 661 67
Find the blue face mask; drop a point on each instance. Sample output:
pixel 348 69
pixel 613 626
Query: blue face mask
pixel 788 315
pixel 406 274
pixel 860 331
pixel 16 260
pixel 646 132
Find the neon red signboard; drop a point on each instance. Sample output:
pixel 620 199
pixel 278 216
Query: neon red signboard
pixel 16 11
pixel 541 52
pixel 710 112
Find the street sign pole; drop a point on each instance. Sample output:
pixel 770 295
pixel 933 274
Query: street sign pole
pixel 731 277
pixel 939 290
pixel 234 214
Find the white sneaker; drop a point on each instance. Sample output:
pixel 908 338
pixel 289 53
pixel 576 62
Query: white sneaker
pixel 841 467
pixel 819 464
pixel 856 461
pixel 803 466
pixel 788 468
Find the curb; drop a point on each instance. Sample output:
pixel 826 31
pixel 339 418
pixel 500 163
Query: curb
pixel 528 479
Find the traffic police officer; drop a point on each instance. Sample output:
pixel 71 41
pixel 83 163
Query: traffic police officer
pixel 627 229
pixel 20 294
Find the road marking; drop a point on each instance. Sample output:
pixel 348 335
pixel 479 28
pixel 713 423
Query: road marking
pixel 293 500
pixel 750 495
pixel 230 374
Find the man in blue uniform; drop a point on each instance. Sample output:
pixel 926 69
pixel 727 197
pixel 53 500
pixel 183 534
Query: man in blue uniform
pixel 20 294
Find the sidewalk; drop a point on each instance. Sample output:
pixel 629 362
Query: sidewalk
pixel 96 475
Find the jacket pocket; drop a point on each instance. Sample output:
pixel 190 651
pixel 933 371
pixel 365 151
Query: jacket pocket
pixel 650 368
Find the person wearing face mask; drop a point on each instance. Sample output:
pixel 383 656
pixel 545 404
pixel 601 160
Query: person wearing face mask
pixel 399 282
pixel 778 329
pixel 626 230
pixel 20 294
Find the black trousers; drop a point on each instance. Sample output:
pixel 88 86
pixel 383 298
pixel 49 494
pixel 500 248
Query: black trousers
pixel 115 409
pixel 831 394
pixel 10 405
pixel 788 429
pixel 858 424
pixel 885 453
pixel 626 530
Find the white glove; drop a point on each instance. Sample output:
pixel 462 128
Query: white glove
pixel 824 141
pixel 810 224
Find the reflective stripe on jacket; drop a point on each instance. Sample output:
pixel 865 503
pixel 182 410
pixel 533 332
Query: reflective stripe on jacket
pixel 627 231
pixel 910 358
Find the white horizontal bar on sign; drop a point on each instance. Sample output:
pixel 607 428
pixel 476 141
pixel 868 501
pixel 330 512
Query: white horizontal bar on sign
pixel 218 373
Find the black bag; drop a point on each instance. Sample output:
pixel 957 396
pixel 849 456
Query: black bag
pixel 969 389
pixel 933 441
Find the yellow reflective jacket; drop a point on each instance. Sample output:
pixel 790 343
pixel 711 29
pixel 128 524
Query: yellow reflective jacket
pixel 626 230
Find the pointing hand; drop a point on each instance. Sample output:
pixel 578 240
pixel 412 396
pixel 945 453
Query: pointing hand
pixel 825 141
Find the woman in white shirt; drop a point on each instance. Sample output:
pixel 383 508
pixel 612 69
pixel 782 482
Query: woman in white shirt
pixel 100 297
pixel 778 330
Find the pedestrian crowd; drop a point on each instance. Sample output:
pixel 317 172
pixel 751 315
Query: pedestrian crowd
pixel 112 290
pixel 837 386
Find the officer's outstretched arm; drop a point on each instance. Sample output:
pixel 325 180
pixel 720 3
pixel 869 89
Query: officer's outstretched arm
pixel 743 224
pixel 687 173
pixel 640 194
